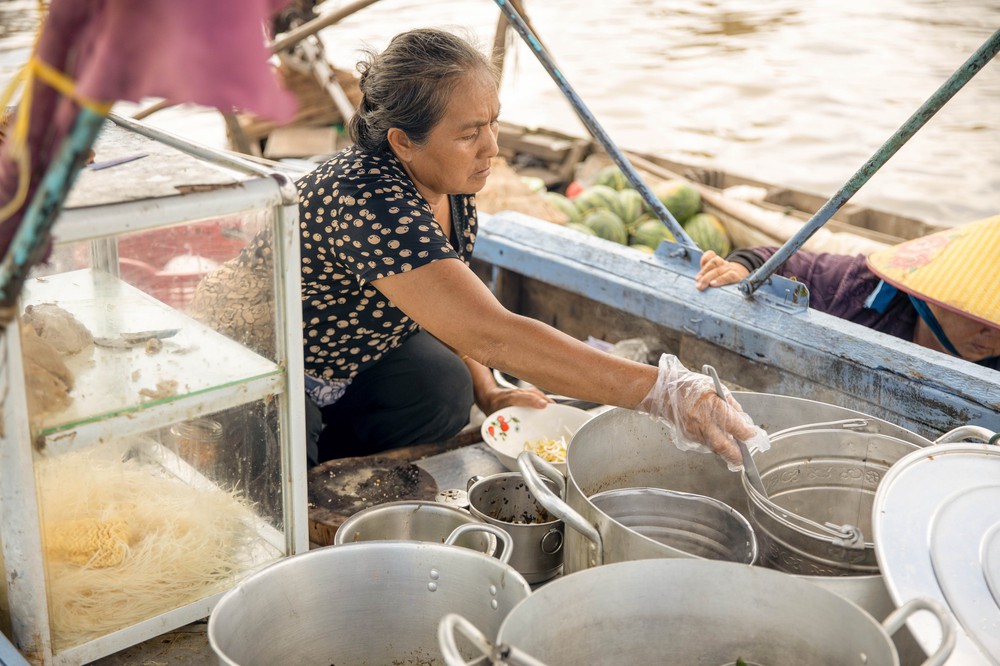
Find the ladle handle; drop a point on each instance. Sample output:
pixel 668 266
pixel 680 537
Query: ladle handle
pixel 897 619
pixel 846 424
pixel 529 463
pixel 453 623
pixel 749 466
pixel 962 433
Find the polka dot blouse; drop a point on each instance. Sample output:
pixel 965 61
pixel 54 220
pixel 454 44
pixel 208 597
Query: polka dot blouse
pixel 362 219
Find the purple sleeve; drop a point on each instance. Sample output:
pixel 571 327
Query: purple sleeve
pixel 838 283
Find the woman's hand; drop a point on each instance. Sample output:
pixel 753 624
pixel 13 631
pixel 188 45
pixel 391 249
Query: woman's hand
pixel 498 397
pixel 698 418
pixel 717 272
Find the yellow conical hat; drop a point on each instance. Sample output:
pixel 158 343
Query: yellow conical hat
pixel 957 269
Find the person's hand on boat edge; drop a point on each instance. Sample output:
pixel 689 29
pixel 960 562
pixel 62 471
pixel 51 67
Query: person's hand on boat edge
pixel 717 272
pixel 699 419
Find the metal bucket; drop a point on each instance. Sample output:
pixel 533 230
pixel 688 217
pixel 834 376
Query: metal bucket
pixel 377 602
pixel 413 521
pixel 686 611
pixel 817 516
pixel 505 501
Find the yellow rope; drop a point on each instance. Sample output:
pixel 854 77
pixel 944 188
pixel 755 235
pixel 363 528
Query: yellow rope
pixel 34 69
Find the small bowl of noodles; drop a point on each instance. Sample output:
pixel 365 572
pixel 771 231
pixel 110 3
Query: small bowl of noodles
pixel 546 432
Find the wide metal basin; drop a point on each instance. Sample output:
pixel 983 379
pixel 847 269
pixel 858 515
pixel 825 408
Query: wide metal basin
pixel 687 611
pixel 371 603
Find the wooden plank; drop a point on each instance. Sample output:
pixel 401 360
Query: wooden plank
pixel 327 511
pixel 340 488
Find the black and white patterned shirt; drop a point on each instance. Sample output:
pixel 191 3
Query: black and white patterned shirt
pixel 363 219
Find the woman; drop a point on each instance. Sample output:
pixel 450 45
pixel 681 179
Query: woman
pixel 399 332
pixel 939 291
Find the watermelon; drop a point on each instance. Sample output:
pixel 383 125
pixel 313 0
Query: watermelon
pixel 630 206
pixel 582 228
pixel 564 205
pixel 640 246
pixel 534 183
pixel 596 197
pixel 613 177
pixel 679 197
pixel 607 225
pixel 708 233
pixel 650 233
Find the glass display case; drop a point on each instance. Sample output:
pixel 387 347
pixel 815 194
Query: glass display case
pixel 153 449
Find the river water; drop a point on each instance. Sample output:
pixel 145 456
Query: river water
pixel 796 92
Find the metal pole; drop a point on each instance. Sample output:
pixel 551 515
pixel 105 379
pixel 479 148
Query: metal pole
pixel 317 24
pixel 592 125
pixel 919 118
pixel 33 232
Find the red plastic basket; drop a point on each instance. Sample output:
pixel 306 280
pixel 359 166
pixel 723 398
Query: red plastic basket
pixel 144 257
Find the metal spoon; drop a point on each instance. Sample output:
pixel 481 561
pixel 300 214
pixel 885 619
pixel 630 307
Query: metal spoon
pixel 749 466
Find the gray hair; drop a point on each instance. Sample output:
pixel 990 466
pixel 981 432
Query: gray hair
pixel 408 85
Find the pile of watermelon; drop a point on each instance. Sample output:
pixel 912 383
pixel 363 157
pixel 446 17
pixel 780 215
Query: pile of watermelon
pixel 612 209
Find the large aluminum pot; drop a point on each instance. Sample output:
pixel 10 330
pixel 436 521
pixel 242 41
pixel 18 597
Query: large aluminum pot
pixel 413 520
pixel 686 611
pixel 377 602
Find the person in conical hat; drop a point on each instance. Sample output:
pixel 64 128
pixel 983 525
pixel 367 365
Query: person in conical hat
pixel 941 291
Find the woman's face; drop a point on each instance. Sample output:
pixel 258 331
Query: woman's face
pixel 972 339
pixel 456 157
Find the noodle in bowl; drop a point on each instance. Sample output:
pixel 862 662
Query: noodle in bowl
pixel 547 432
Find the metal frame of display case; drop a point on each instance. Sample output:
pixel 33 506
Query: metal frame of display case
pixel 255 188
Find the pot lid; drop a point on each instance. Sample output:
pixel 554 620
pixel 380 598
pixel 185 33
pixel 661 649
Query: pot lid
pixel 936 523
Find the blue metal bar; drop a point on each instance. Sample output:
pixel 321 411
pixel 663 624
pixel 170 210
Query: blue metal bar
pixel 592 125
pixel 926 111
pixel 31 235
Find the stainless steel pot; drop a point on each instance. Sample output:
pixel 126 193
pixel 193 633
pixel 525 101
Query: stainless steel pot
pixel 413 521
pixel 633 523
pixel 505 501
pixel 821 479
pixel 377 602
pixel 686 611
pixel 816 517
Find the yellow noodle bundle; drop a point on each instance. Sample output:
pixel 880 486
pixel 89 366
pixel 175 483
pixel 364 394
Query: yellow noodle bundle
pixel 91 542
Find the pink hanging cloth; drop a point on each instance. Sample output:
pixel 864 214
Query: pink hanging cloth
pixel 207 52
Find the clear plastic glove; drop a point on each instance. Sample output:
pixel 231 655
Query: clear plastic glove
pixel 698 419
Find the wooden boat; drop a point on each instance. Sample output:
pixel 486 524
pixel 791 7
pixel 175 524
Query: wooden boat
pixel 587 286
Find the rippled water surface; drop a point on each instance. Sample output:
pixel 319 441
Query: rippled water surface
pixel 793 92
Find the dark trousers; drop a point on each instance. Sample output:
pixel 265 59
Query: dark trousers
pixel 418 393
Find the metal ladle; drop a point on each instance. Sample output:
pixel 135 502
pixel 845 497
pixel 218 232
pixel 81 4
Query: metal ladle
pixel 749 466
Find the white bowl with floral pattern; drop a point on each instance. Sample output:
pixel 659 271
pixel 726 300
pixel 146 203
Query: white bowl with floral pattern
pixel 506 431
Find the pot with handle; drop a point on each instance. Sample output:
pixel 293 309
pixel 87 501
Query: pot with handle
pixel 640 523
pixel 374 602
pixel 687 611
pixel 413 520
pixel 506 501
